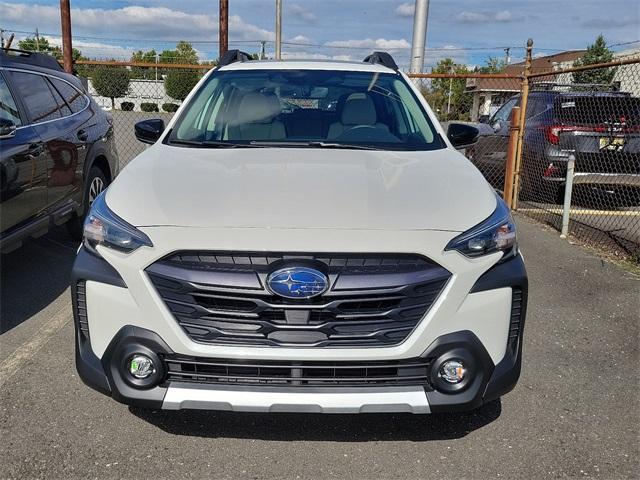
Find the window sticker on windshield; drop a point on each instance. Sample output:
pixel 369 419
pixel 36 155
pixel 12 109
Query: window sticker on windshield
pixel 303 102
pixel 567 104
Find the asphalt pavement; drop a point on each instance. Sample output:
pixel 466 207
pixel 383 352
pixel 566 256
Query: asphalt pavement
pixel 575 412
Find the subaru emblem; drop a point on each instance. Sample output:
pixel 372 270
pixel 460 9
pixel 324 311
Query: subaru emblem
pixel 297 282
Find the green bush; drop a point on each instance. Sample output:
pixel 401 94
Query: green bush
pixel 178 83
pixel 111 82
pixel 149 107
pixel 126 106
pixel 170 107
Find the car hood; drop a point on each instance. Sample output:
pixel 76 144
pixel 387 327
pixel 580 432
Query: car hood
pixel 301 188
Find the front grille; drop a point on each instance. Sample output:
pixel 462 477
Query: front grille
pixel 297 374
pixel 220 298
pixel 81 307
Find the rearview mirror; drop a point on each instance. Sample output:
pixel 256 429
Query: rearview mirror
pixel 149 131
pixel 7 128
pixel 462 135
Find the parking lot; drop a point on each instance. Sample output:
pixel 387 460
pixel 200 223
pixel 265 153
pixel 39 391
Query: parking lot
pixel 575 411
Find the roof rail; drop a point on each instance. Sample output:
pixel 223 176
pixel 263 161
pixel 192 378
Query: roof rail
pixel 232 56
pixel 32 58
pixel 382 58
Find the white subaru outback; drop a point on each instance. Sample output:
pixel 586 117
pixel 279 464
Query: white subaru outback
pixel 303 237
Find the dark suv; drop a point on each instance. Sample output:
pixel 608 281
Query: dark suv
pixel 56 148
pixel 602 127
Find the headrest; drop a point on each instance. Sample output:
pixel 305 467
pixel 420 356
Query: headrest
pixel 258 108
pixel 359 110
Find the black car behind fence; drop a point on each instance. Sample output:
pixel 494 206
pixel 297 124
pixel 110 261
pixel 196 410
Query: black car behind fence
pixel 592 112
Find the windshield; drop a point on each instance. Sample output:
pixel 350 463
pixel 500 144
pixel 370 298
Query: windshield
pixel 315 108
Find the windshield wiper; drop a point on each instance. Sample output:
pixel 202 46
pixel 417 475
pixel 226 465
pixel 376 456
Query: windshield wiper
pixel 210 143
pixel 313 144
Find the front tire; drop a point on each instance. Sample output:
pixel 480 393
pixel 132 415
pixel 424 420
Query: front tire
pixel 96 183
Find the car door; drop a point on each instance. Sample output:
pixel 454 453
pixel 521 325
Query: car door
pixel 23 176
pixel 58 129
pixel 77 128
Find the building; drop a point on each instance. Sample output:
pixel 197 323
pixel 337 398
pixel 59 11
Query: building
pixel 490 93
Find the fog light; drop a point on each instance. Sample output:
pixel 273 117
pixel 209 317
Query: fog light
pixel 452 371
pixel 141 366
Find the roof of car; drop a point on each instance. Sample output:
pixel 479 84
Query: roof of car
pixel 308 65
pixel 24 58
pixel 570 93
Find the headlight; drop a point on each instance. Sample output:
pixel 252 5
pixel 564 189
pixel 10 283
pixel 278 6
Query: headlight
pixel 103 227
pixel 496 234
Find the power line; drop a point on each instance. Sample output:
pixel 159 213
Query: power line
pixel 302 44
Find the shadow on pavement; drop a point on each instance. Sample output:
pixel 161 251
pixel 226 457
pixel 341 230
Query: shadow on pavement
pixel 33 276
pixel 315 427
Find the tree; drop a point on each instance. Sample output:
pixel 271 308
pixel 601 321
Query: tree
pixel 111 82
pixel 598 52
pixel 441 88
pixel 183 53
pixel 148 73
pixel 178 82
pixel 41 44
pixel 493 65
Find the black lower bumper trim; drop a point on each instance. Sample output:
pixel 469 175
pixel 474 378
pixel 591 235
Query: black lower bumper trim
pixel 489 381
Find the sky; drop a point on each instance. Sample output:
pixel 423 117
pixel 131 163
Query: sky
pixel 470 31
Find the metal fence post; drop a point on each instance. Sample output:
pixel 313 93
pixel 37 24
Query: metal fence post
pixel 567 195
pixel 523 115
pixel 514 130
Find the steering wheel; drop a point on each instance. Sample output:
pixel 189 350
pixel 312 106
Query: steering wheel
pixel 363 133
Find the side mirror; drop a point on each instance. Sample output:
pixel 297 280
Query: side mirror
pixel 149 131
pixel 7 128
pixel 462 135
pixel 483 119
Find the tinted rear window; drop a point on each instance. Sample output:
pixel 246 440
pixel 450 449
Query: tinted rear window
pixel 597 110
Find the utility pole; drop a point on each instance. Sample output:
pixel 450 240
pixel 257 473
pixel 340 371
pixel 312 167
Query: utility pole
pixel 1 38
pixel 224 27
pixel 420 17
pixel 263 53
pixel 65 21
pixel 507 59
pixel 278 29
pixel 37 41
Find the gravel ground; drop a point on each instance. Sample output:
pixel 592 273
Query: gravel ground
pixel 574 413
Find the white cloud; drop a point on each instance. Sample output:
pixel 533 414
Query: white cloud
pixel 299 39
pixel 502 16
pixel 96 49
pixel 379 43
pixel 131 22
pixel 405 9
pixel 300 12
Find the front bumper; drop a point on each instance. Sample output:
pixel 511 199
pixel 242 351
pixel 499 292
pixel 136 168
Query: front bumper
pixel 494 373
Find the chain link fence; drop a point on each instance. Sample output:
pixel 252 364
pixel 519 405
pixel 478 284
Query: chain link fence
pixel 591 113
pixel 133 92
pixel 482 100
pixel 581 143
